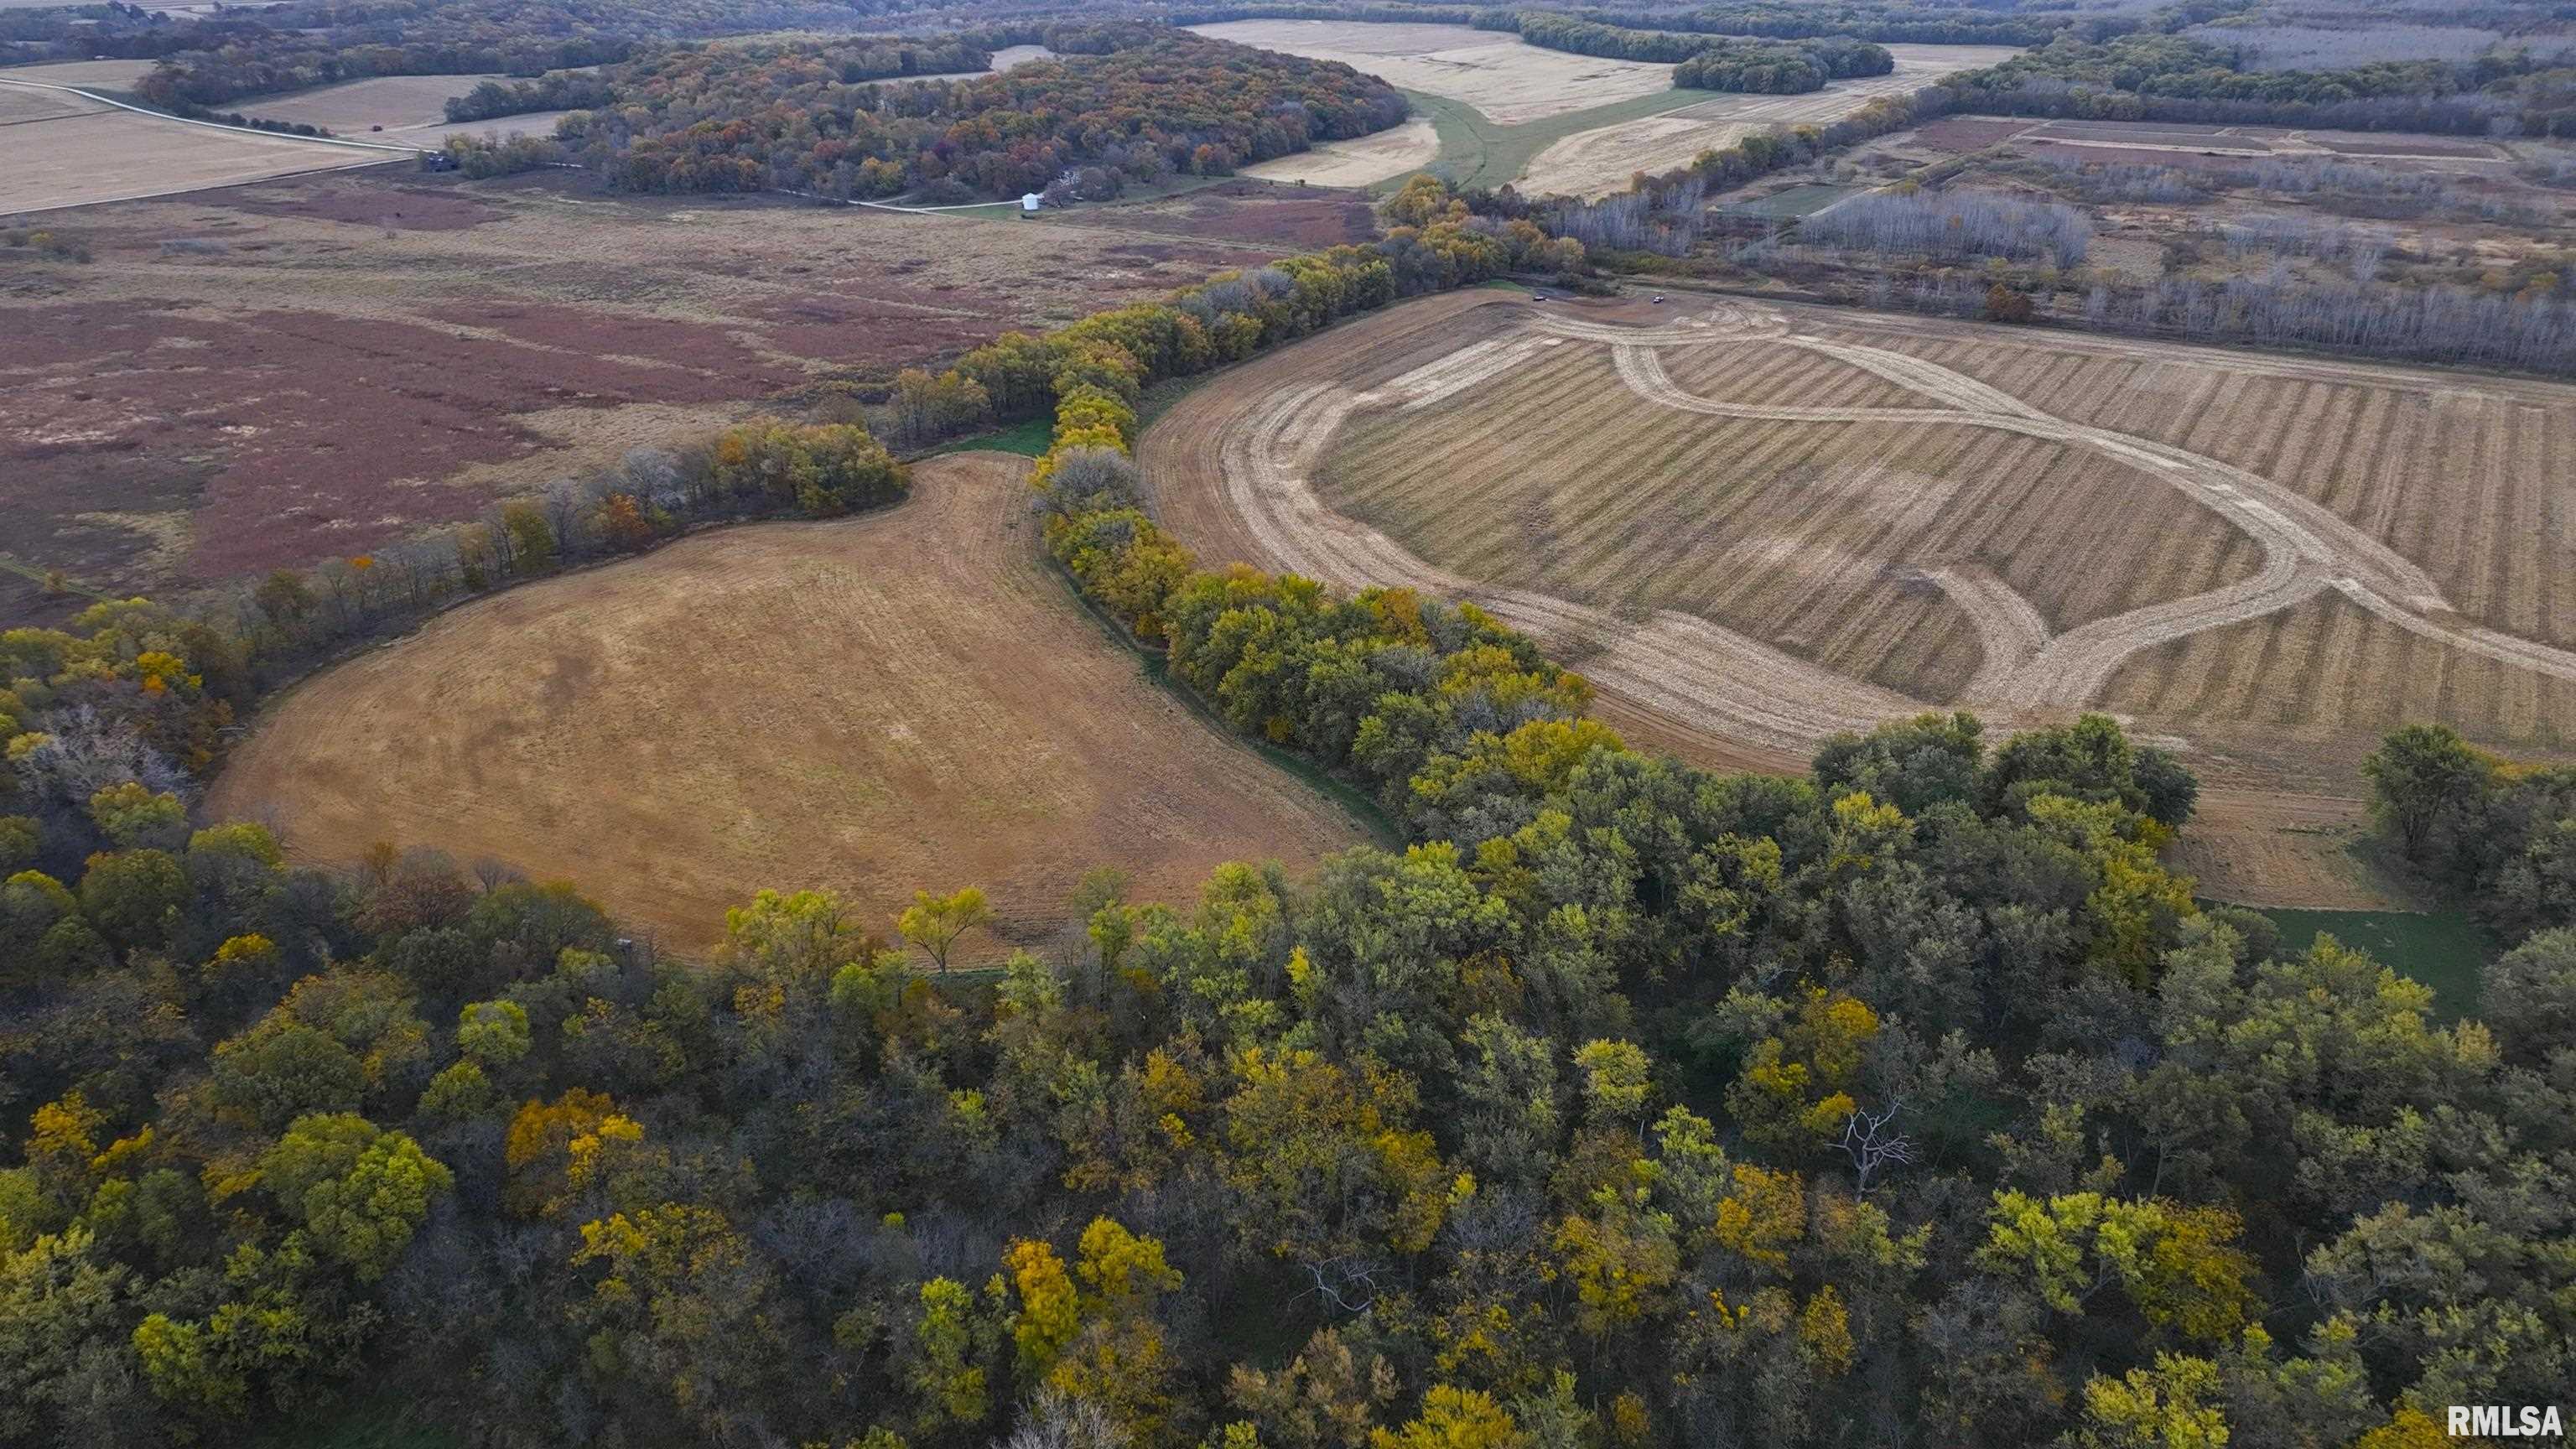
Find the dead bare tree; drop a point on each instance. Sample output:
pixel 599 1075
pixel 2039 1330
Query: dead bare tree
pixel 1872 1147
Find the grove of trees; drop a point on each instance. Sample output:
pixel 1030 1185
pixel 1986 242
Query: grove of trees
pixel 1717 63
pixel 790 116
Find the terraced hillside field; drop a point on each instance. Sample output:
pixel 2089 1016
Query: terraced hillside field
pixel 904 700
pixel 1755 525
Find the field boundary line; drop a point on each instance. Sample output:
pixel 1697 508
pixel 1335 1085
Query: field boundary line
pixel 215 125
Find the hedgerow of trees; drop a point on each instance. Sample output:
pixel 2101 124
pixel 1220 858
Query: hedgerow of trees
pixel 1718 63
pixel 1889 24
pixel 304 43
pixel 2170 78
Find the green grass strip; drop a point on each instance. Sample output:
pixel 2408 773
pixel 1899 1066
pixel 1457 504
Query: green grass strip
pixel 1476 152
pixel 1029 438
pixel 2442 949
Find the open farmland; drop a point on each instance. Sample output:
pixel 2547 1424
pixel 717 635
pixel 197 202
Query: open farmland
pixel 114 75
pixel 1398 152
pixel 390 102
pixel 409 109
pixel 1753 526
pixel 1509 112
pixel 280 374
pixel 69 150
pixel 1599 161
pixel 1504 77
pixel 932 710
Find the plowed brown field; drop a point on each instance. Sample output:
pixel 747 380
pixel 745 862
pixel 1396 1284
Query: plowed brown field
pixel 874 705
pixel 1754 525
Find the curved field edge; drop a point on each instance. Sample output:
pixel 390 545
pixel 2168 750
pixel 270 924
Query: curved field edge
pixel 1475 152
pixel 871 705
pixel 2265 805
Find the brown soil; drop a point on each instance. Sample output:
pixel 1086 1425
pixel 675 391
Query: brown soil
pixel 284 373
pixel 907 700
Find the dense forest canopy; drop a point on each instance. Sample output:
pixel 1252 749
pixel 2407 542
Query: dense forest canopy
pixel 739 118
pixel 1908 1102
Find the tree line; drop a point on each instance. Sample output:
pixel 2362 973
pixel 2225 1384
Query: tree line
pixel 305 43
pixel 2157 77
pixel 1882 23
pixel 1159 102
pixel 1717 63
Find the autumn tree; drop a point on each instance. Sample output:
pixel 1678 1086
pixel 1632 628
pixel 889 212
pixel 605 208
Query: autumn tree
pixel 933 923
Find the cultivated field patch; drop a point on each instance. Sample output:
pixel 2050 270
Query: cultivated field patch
pixel 388 102
pixel 874 705
pixel 80 154
pixel 287 373
pixel 1599 161
pixel 1506 78
pixel 114 75
pixel 1753 525
pixel 1398 152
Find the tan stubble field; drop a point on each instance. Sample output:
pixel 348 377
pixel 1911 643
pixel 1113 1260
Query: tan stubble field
pixel 1752 526
pixel 905 700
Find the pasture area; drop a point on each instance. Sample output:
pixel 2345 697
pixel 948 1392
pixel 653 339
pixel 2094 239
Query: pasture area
pixel 1754 525
pixel 905 700
pixel 281 374
pixel 68 150
pixel 1599 161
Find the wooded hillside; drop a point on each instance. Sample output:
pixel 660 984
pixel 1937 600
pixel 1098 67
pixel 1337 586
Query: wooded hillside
pixel 1164 102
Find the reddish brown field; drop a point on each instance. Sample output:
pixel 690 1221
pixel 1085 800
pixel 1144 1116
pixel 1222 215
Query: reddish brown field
pixel 930 710
pixel 278 374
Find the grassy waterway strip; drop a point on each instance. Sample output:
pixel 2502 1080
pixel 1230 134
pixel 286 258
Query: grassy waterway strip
pixel 1476 152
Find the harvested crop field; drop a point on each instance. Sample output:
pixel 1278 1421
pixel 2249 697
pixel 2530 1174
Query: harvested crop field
pixel 1753 525
pixel 72 151
pixel 391 102
pixel 280 374
pixel 1396 152
pixel 114 75
pixel 1599 161
pixel 1507 79
pixel 875 705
